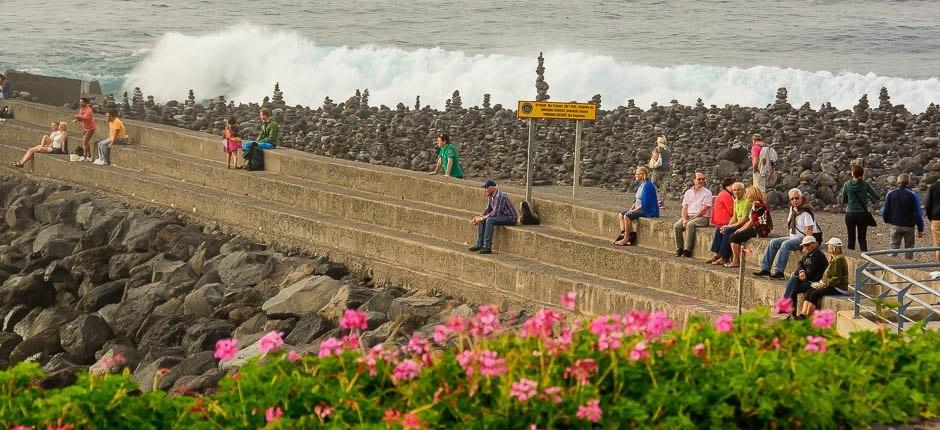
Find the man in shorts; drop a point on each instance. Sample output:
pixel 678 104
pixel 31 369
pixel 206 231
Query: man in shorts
pixel 86 117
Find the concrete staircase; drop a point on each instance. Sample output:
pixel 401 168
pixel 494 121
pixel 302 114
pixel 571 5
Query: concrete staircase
pixel 405 227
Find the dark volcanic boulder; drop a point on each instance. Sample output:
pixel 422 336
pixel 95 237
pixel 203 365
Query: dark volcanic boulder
pixel 84 336
pixel 196 364
pixel 203 335
pixel 101 295
pixel 28 290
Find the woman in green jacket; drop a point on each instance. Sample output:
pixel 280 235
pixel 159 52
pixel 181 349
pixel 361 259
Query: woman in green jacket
pixel 448 163
pixel 857 195
pixel 835 280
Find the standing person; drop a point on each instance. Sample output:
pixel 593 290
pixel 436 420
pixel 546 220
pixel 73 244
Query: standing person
pixel 86 117
pixel 857 194
pixel 835 280
pixel 902 212
pixel 757 145
pixel 758 224
pixel 116 134
pixel 6 87
pixel 722 213
pixel 644 206
pixel 696 212
pixel 661 168
pixel 232 140
pixel 932 207
pixel 800 223
pixel 447 162
pixel 810 270
pixel 55 142
pixel 499 211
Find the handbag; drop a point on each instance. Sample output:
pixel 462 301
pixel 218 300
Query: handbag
pixel 868 218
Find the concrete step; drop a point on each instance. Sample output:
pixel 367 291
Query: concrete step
pixel 393 255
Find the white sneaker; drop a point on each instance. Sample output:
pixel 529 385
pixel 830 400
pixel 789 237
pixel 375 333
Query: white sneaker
pixel 100 162
pixel 81 158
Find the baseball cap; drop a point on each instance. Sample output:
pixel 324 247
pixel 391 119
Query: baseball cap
pixel 807 240
pixel 488 183
pixel 834 241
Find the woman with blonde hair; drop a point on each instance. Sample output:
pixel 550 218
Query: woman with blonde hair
pixel 661 168
pixel 835 280
pixel 758 224
pixel 55 142
pixel 644 206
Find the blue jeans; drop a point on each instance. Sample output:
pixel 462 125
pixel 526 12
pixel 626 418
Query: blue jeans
pixel 795 287
pixel 485 229
pixel 779 250
pixel 721 244
pixel 263 145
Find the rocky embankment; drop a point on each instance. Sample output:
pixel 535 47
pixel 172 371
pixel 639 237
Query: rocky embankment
pixel 816 146
pixel 93 284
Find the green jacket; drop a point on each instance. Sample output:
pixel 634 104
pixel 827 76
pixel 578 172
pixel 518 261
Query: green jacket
pixel 837 273
pixel 857 195
pixel 268 132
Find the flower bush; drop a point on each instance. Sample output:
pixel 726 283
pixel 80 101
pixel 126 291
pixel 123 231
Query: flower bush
pixel 558 370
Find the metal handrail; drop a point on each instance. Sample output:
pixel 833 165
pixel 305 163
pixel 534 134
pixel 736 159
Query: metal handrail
pixel 870 272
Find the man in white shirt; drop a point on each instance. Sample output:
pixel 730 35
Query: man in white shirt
pixel 696 212
pixel 801 223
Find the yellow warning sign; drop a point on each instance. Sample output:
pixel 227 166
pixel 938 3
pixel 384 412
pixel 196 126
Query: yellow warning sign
pixel 556 110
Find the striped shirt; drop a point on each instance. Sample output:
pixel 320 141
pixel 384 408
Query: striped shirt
pixel 499 205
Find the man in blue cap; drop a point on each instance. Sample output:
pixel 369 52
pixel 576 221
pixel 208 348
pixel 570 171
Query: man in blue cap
pixel 499 211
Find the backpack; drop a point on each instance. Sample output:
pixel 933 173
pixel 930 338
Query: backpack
pixel 528 216
pixel 765 223
pixel 254 157
pixel 6 113
pixel 770 154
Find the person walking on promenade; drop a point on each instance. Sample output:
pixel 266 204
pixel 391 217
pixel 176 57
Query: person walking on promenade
pixel 232 141
pixel 86 117
pixel 902 212
pixel 661 168
pixel 857 194
pixel 55 142
pixel 809 270
pixel 644 206
pixel 800 223
pixel 757 145
pixel 696 212
pixel 447 162
pixel 834 282
pixel 758 223
pixel 932 207
pixel 499 211
pixel 116 134
pixel 6 87
pixel 722 213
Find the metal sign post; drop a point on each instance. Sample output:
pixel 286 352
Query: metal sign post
pixel 741 265
pixel 577 158
pixel 578 112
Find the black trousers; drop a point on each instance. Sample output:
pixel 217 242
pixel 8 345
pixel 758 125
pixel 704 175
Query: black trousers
pixel 855 224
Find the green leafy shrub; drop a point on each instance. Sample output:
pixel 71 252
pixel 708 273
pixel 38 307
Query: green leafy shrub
pixel 558 371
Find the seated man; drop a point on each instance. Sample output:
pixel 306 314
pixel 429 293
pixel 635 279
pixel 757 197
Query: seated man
pixel 801 223
pixel 267 135
pixel 696 212
pixel 499 211
pixel 810 270
pixel 116 134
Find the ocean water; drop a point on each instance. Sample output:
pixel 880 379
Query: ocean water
pixel 723 51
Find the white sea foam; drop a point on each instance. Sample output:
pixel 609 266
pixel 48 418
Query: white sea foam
pixel 244 63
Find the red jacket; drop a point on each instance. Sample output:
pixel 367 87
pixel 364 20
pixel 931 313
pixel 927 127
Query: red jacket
pixel 723 209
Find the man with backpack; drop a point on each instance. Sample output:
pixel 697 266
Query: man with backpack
pixel 801 223
pixel 766 161
pixel 902 211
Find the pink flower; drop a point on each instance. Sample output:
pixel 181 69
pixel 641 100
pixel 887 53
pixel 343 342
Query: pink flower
pixel 541 325
pixel 322 410
pixel 560 343
pixel 457 324
pixel 225 349
pixel 639 351
pixel 569 300
pixel 581 370
pixel 724 323
pixel 466 360
pixel 552 394
pixel 441 333
pixel 273 413
pixel 293 356
pixel 21 428
pixel 353 319
pixel 411 422
pixel 486 321
pixel 391 416
pixel 590 411
pixel 815 344
pixel 784 306
pixel 523 389
pixel 491 364
pixel 271 341
pixel 699 350
pixel 330 346
pixel 824 319
pixel 634 320
pixel 775 343
pixel 658 323
pixel 406 370
pixel 351 341
pixel 418 345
